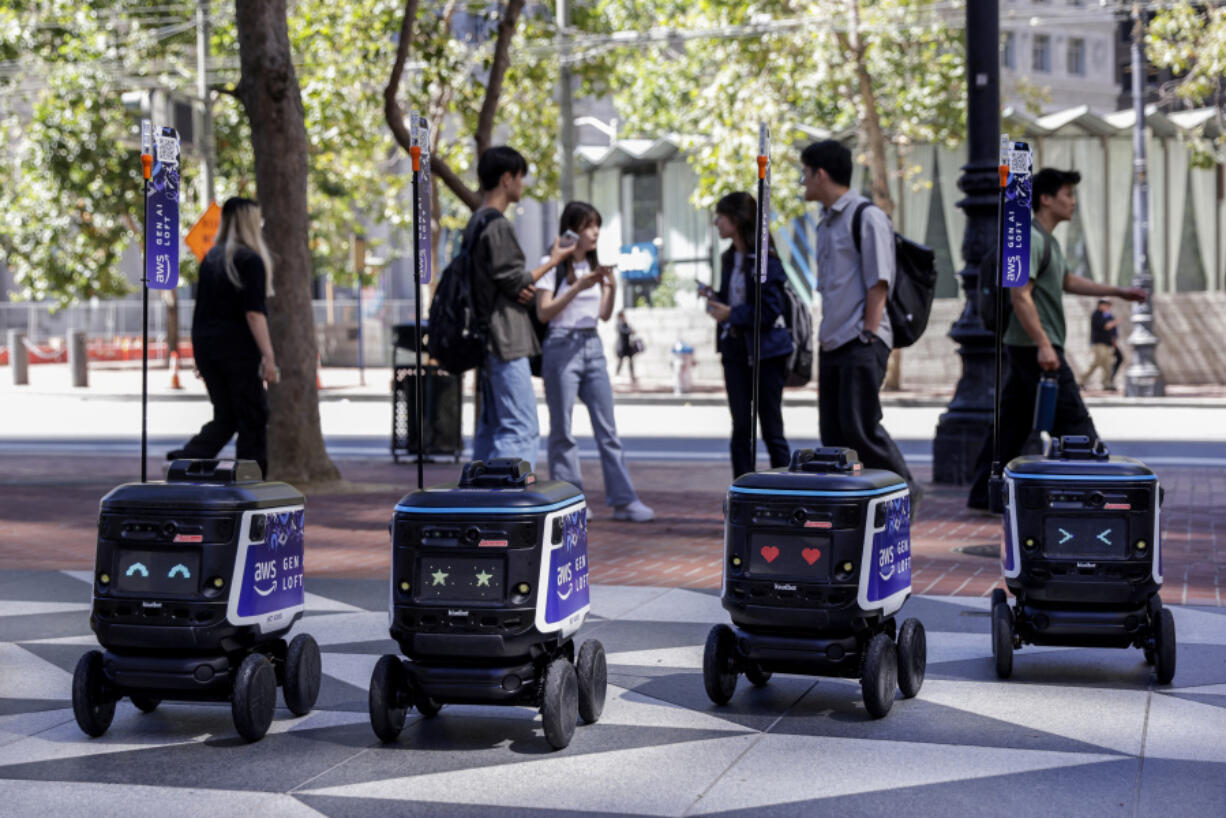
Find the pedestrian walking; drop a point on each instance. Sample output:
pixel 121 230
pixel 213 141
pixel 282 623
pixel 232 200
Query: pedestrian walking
pixel 503 290
pixel 855 336
pixel 232 346
pixel 628 345
pixel 732 306
pixel 1034 338
pixel 1103 334
pixel 572 299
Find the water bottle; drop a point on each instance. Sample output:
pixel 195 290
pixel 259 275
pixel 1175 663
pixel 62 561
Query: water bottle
pixel 1045 403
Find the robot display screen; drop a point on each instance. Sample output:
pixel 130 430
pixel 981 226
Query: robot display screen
pixel 461 579
pixel 1085 537
pixel 789 555
pixel 173 572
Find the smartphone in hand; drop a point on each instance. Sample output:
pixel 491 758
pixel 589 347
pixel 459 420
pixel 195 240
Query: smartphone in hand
pixel 705 290
pixel 569 238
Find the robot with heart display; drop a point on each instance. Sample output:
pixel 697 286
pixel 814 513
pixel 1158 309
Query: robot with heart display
pixel 817 564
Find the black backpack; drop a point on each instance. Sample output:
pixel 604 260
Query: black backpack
pixel 915 283
pixel 989 283
pixel 800 324
pixel 458 335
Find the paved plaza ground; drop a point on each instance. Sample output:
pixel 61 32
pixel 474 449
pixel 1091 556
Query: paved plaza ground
pixel 1075 732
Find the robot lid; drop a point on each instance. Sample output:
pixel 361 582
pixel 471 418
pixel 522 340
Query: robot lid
pixel 204 485
pixel 835 472
pixel 1076 456
pixel 502 485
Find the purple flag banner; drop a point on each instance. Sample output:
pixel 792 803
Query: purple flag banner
pixel 420 129
pixel 162 213
pixel 1015 244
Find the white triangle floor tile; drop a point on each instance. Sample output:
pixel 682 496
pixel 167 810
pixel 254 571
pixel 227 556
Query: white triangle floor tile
pixel 138 801
pixel 351 668
pixel 25 676
pixel 644 781
pixel 343 628
pixel 780 769
pixel 688 657
pixel 1187 730
pixel 1107 718
pixel 321 604
pixel 13 607
pixel 680 605
pixel 618 601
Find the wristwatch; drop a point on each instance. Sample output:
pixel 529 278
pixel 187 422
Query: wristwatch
pixel 867 337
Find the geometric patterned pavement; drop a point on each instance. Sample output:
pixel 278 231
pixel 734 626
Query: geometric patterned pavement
pixel 1075 732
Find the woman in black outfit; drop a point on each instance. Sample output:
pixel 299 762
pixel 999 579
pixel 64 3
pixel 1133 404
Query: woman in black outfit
pixel 625 345
pixel 733 307
pixel 230 337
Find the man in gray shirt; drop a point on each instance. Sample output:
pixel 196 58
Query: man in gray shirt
pixel 854 279
pixel 503 288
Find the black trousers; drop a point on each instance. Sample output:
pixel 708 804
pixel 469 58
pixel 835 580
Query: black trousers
pixel 1017 396
pixel 239 405
pixel 738 381
pixel 849 404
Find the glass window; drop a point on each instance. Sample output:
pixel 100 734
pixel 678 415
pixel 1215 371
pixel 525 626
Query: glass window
pixel 1077 56
pixel 1009 53
pixel 1041 53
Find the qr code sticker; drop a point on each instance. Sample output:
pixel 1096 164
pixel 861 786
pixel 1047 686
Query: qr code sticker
pixel 1019 162
pixel 168 150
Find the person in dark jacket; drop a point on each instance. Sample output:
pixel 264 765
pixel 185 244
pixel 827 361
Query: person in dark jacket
pixel 503 290
pixel 732 305
pixel 232 347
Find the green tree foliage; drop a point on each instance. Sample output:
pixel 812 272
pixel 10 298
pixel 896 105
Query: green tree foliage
pixel 713 69
pixel 70 189
pixel 1190 40
pixel 70 192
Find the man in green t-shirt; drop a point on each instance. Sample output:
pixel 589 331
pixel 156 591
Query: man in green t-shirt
pixel 1034 338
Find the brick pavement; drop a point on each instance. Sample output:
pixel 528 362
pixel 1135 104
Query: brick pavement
pixel 48 510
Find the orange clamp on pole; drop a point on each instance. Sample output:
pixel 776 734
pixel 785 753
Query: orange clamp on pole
pixel 762 163
pixel 146 165
pixel 415 152
pixel 1004 176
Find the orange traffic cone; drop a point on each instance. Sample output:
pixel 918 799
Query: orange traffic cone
pixel 174 371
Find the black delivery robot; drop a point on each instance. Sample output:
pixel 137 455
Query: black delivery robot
pixel 489 586
pixel 197 582
pixel 1083 556
pixel 817 562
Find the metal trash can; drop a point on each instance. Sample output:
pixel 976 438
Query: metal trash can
pixel 442 400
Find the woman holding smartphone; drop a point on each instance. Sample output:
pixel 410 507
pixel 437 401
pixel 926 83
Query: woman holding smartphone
pixel 732 305
pixel 572 299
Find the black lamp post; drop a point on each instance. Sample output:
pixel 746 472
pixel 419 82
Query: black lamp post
pixel 966 423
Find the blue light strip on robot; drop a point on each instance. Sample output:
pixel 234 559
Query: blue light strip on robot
pixel 1117 478
pixel 520 510
pixel 799 493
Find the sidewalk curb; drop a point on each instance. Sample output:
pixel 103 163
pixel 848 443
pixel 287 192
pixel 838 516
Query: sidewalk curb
pixel 797 397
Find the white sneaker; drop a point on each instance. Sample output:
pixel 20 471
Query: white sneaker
pixel 635 512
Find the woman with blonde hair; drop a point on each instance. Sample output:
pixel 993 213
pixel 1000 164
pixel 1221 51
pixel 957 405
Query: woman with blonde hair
pixel 230 337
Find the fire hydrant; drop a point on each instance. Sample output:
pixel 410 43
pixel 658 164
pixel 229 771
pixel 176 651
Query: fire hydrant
pixel 683 364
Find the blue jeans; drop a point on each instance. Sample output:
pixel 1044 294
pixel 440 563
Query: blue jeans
pixel 573 366
pixel 507 425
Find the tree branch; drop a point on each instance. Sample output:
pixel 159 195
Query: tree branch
pixel 391 107
pixel 394 114
pixel 502 60
pixel 454 183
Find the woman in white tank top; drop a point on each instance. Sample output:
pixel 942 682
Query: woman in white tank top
pixel 572 298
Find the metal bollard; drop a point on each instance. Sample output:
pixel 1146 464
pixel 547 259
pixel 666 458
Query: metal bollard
pixel 19 358
pixel 78 358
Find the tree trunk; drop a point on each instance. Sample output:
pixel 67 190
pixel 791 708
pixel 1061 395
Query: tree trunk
pixel 171 299
pixel 869 120
pixel 271 97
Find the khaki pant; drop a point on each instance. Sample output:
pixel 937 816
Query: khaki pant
pixel 1104 359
